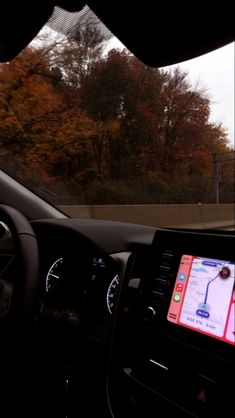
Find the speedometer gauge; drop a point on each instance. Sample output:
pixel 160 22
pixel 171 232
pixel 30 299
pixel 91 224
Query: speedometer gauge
pixel 55 274
pixel 112 293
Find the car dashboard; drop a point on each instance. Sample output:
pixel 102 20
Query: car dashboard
pixel 144 317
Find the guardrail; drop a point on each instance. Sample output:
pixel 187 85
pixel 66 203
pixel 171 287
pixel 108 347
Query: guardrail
pixel 187 216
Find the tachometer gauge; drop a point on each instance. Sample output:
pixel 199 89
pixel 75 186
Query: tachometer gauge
pixel 55 274
pixel 112 293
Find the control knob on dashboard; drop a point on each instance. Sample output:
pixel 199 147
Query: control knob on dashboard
pixel 149 314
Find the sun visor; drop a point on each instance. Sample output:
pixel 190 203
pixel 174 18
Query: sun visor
pixel 19 24
pixel 21 21
pixel 167 33
pixel 158 36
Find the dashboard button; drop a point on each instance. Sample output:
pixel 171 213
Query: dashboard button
pixel 149 313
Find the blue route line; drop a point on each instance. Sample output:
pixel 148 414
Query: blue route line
pixel 207 287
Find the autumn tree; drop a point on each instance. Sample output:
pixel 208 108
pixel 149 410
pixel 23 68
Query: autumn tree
pixel 104 124
pixel 36 121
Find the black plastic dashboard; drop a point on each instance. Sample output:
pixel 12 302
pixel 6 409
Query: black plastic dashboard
pixel 174 335
pixel 155 308
pixel 159 355
pixel 170 338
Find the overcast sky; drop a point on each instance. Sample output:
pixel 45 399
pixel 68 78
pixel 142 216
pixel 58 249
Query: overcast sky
pixel 215 73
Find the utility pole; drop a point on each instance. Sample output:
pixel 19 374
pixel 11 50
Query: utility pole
pixel 216 177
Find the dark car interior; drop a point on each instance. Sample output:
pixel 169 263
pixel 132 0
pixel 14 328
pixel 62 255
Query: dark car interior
pixel 91 313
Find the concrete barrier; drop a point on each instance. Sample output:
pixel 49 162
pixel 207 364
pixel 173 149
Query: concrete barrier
pixel 187 216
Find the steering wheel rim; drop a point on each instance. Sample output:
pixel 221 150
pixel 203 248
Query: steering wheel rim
pixel 25 292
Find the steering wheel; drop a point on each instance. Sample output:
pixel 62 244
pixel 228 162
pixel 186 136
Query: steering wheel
pixel 25 290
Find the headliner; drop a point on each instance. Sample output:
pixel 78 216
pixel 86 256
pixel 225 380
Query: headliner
pixel 158 35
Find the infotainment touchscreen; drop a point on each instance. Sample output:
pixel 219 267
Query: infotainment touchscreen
pixel 203 298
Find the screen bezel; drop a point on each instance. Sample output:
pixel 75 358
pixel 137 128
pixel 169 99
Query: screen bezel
pixel 186 263
pixel 203 245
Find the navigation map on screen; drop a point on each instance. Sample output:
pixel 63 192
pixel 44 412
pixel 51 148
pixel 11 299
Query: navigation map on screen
pixel 203 298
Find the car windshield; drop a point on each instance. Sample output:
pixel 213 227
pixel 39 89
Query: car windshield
pixel 88 127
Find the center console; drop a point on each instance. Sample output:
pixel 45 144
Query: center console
pixel 173 348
